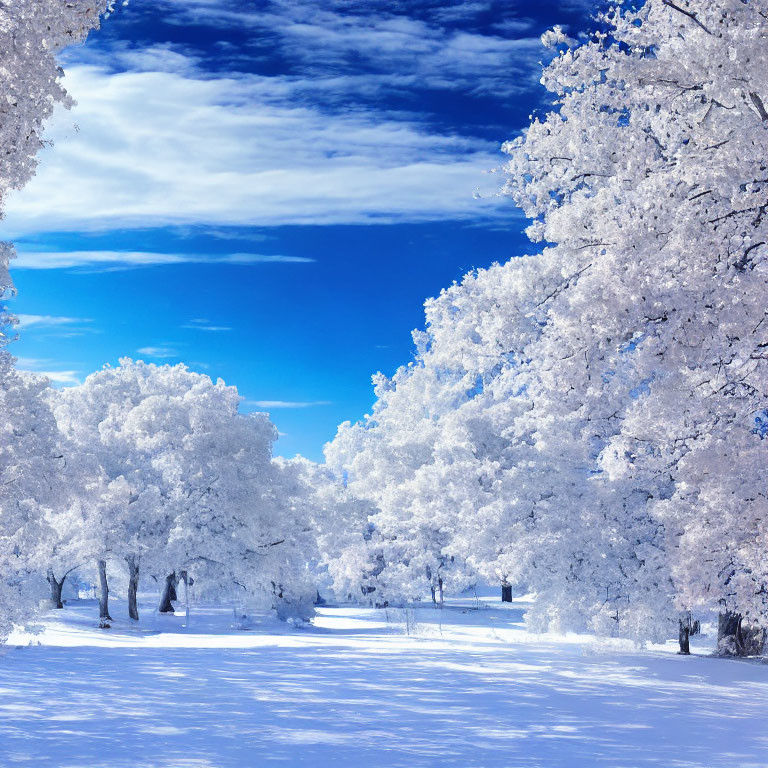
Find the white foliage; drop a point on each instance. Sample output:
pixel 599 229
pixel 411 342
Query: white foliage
pixel 583 422
pixel 31 32
pixel 185 483
pixel 651 177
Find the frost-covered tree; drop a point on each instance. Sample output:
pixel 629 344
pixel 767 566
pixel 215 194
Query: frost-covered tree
pixel 102 419
pixel 514 486
pixel 240 518
pixel 30 483
pixel 652 175
pixel 348 556
pixel 190 485
pixel 31 32
pixel 603 441
pixel 394 462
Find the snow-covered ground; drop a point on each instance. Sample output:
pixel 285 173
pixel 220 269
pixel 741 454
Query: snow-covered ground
pixel 466 687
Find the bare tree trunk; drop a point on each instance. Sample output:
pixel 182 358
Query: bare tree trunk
pixel 56 588
pixel 727 631
pixel 506 592
pixel 169 594
pixel 737 638
pixel 187 581
pixel 428 574
pixel 440 590
pixel 683 638
pixel 133 586
pixel 104 616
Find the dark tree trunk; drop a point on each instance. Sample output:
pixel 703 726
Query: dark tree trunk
pixel 56 589
pixel 752 639
pixel 727 625
pixel 169 594
pixel 428 574
pixel 172 594
pixel 737 638
pixel 104 616
pixel 684 635
pixel 133 586
pixel 440 590
pixel 506 593
pixel 727 631
pixel 187 583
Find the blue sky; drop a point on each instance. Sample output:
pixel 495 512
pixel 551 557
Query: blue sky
pixel 268 191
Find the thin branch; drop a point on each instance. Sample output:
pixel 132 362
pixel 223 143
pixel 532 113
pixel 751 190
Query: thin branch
pixel 700 194
pixel 692 16
pixel 564 285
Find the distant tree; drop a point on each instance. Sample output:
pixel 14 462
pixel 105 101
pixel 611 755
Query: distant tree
pixel 347 554
pixel 190 483
pixel 395 463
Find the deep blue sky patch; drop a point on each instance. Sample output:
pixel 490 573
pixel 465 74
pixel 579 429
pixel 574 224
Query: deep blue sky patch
pixel 268 191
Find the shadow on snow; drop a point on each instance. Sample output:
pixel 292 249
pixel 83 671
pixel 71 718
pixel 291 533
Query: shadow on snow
pixel 355 691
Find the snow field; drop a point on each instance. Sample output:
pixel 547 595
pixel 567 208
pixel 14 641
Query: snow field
pixel 468 688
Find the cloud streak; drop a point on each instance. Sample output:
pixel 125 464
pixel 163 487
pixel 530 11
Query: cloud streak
pixel 436 43
pixel 97 260
pixel 161 353
pixel 34 366
pixel 48 321
pixel 277 404
pixel 202 324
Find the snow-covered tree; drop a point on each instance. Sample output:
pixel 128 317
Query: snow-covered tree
pixel 394 462
pixel 30 483
pixel 514 486
pixel 190 485
pixel 241 518
pixel 31 32
pixel 601 441
pixel 651 175
pixel 347 556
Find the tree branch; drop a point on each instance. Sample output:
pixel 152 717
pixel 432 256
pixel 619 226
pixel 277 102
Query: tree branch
pixel 692 16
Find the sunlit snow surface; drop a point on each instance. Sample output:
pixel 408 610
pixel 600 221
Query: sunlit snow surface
pixel 468 687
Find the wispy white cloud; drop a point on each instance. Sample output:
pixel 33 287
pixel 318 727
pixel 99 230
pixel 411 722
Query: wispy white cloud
pixel 202 324
pixel 32 363
pixel 421 39
pixel 34 366
pixel 158 352
pixel 48 321
pixel 71 378
pixel 273 404
pixel 513 26
pixel 113 260
pixel 159 148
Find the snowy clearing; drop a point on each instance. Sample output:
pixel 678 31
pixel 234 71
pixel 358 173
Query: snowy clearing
pixel 356 690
